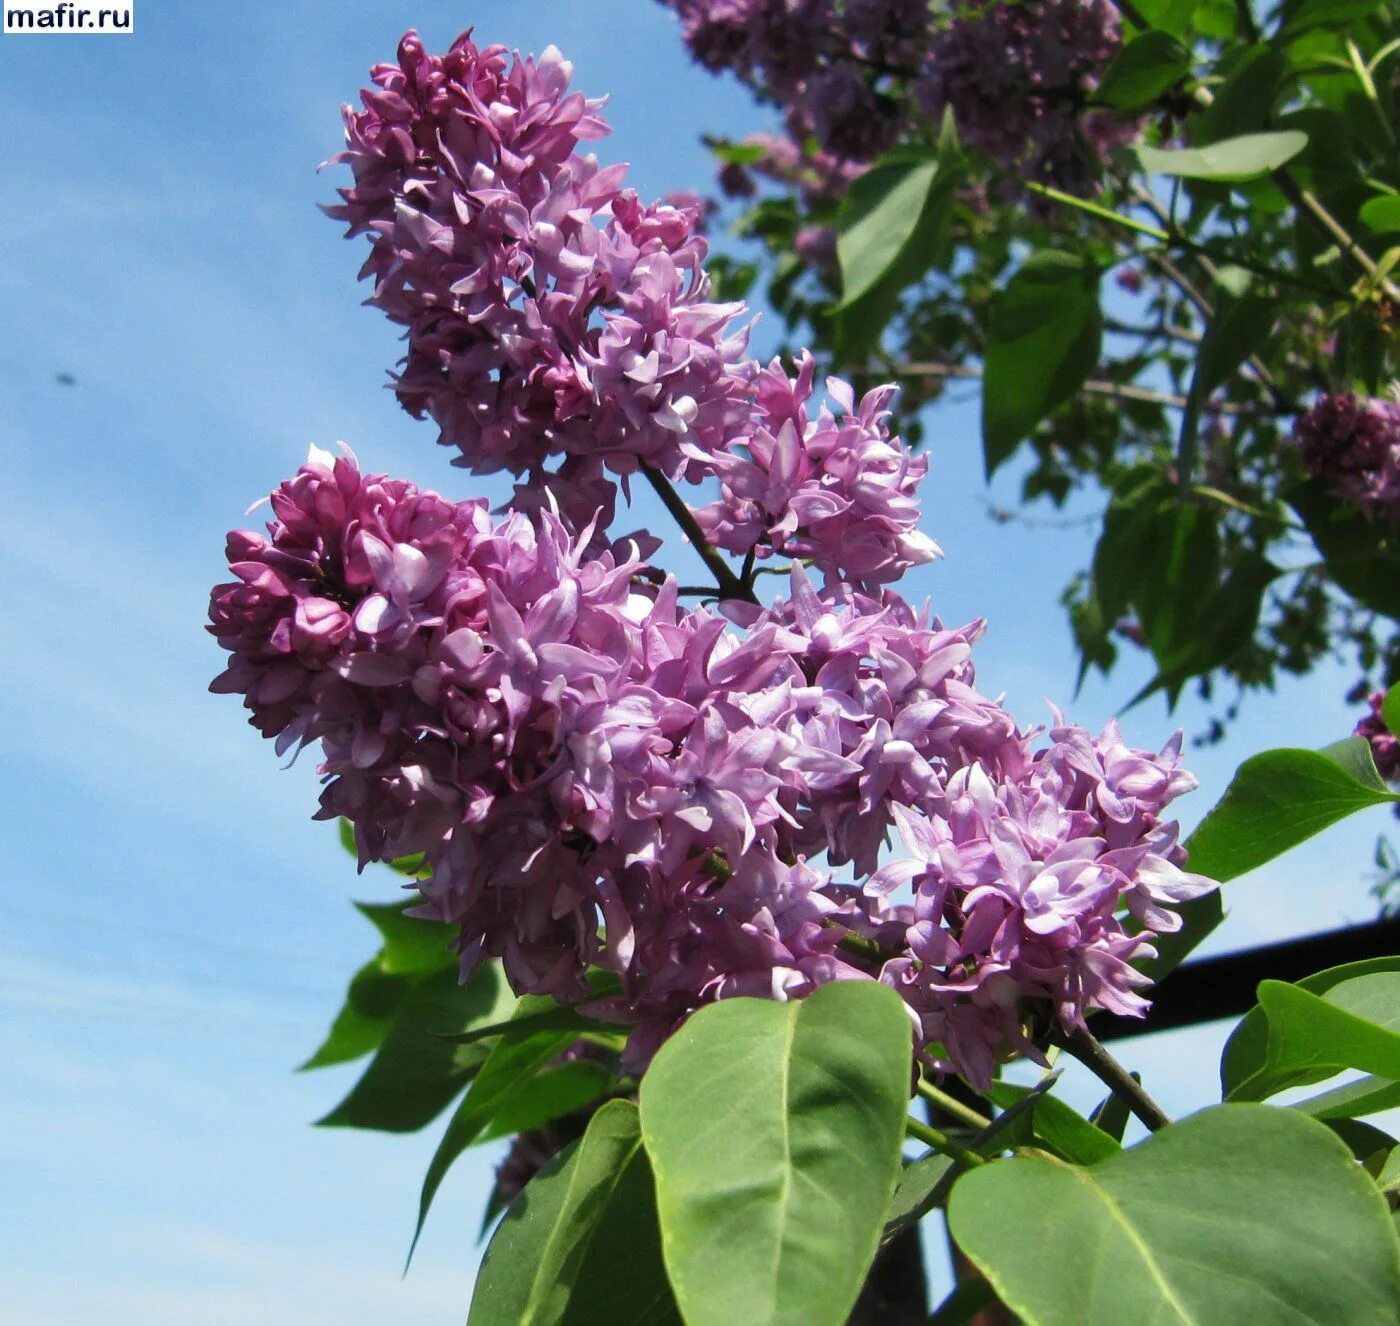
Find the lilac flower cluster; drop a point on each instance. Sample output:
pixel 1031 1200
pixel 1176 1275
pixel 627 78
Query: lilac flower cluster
pixel 548 312
pixel 1352 444
pixel 1385 746
pixel 1017 76
pixel 599 775
pixel 830 66
pixel 835 491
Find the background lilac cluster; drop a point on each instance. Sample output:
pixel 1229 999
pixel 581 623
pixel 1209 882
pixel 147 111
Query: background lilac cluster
pixel 852 76
pixel 598 774
pixel 1352 444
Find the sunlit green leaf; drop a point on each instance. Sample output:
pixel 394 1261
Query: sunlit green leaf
pixel 775 1131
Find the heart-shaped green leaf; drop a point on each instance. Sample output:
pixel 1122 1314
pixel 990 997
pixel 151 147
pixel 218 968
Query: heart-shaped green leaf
pixel 774 1131
pixel 1241 1213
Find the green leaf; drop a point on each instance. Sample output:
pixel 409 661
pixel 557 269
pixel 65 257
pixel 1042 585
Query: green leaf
pixel 1277 800
pixel 511 1067
pixel 1390 710
pixel 623 1276
pixel 1144 69
pixel 879 217
pixel 1241 327
pixel 1313 1036
pixel 893 226
pixel 775 1131
pixel 552 1095
pixel 923 1185
pixel 413 946
pixel 1057 1126
pixel 553 1017
pixel 1352 1100
pixel 1046 329
pixel 1363 558
pixel 416 1072
pixel 1230 160
pixel 537 1255
pixel 361 1025
pixel 1240 1213
pixel 1381 215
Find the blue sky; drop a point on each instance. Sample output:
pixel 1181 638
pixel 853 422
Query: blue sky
pixel 176 932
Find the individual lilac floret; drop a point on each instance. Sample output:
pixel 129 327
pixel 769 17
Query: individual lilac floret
pixel 1019 884
pixel 833 489
pixel 1017 77
pixel 547 310
pixel 1385 746
pixel 1352 444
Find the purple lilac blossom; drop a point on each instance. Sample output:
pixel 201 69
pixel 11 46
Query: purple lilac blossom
pixel 1016 76
pixel 833 489
pixel 547 311
pixel 1385 746
pixel 598 775
pixel 1352 444
pixel 595 773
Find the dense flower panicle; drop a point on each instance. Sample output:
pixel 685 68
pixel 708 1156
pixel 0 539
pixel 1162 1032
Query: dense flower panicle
pixel 837 491
pixel 1385 746
pixel 548 312
pixel 817 175
pixel 598 775
pixel 1018 887
pixel 1016 76
pixel 1352 444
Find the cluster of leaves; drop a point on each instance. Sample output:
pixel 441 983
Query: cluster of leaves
pixel 1258 222
pixel 761 1165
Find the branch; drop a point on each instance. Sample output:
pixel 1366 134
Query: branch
pixel 730 586
pixel 1098 387
pixel 1082 1045
pixel 1308 205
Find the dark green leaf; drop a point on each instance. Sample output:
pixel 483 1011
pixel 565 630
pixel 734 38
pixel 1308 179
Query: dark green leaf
pixel 884 245
pixel 412 946
pixel 361 1025
pixel 551 1095
pixel 510 1068
pixel 623 1277
pixel 923 1186
pixel 537 1255
pixel 1244 158
pixel 1046 330
pixel 416 1073
pixel 1144 69
pixel 1362 557
pixel 774 1131
pixel 1276 801
pixel 1241 1213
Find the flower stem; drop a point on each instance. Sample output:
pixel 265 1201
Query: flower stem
pixel 940 1141
pixel 730 586
pixel 952 1105
pixel 1084 1047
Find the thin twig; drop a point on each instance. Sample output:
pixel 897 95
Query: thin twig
pixel 1098 387
pixel 952 1105
pixel 730 586
pixel 940 1141
pixel 1082 1045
